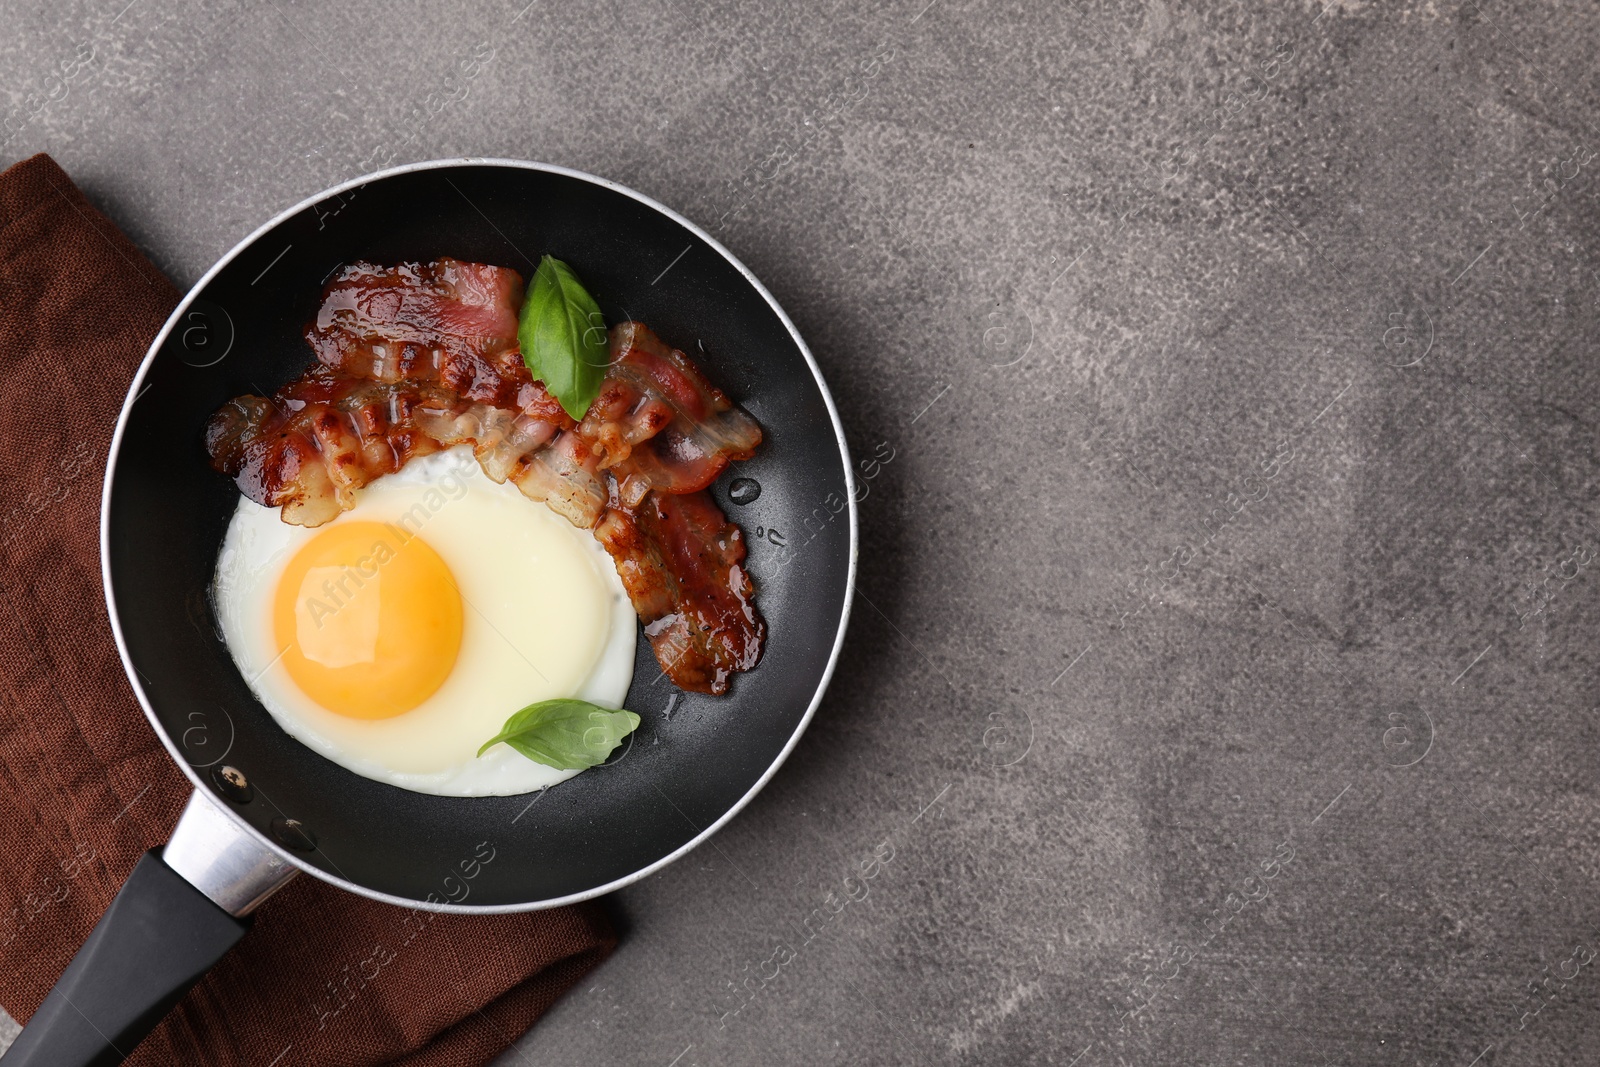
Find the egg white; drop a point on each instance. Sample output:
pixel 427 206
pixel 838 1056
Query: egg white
pixel 544 615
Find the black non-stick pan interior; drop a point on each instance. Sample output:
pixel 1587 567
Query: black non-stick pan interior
pixel 694 757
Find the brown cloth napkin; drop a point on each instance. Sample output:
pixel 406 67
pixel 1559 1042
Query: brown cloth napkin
pixel 325 977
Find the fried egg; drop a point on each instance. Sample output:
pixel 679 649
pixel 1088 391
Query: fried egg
pixel 398 638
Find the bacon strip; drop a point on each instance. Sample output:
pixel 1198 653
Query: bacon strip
pixel 659 424
pixel 682 563
pixel 418 357
pixel 323 437
pixel 317 441
pixel 423 322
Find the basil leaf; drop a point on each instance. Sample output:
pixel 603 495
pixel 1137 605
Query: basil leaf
pixel 563 337
pixel 567 734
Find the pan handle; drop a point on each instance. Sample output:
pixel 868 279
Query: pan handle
pixel 179 912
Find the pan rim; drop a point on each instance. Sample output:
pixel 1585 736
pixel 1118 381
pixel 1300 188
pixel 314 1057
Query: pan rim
pixel 134 392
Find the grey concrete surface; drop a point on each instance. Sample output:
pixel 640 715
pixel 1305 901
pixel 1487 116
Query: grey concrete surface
pixel 1222 682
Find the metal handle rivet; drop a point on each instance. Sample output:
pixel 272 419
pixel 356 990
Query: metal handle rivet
pixel 292 833
pixel 231 783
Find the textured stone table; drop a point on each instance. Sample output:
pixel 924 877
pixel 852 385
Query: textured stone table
pixel 1222 683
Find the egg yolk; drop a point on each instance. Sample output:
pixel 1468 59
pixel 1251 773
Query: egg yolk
pixel 369 620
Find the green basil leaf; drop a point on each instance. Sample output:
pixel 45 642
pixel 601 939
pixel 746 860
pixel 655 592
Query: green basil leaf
pixel 563 337
pixel 567 734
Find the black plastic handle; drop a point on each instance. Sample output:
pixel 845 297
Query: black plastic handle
pixel 157 939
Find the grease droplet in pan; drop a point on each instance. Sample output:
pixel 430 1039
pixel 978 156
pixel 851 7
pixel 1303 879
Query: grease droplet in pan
pixel 744 490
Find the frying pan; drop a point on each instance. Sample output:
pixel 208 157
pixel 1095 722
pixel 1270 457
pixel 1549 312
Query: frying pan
pixel 265 807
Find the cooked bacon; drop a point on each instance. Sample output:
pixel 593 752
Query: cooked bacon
pixel 447 322
pixel 682 563
pixel 324 436
pixel 416 357
pixel 658 423
pixel 317 441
